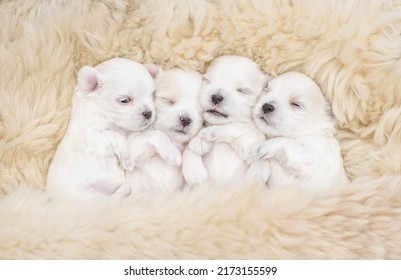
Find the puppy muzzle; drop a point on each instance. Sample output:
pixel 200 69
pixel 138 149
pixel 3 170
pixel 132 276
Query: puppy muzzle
pixel 267 108
pixel 147 114
pixel 217 113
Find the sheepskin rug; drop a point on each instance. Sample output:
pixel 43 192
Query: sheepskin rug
pixel 352 49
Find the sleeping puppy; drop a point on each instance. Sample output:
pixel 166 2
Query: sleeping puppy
pixel 231 86
pixel 299 125
pixel 112 99
pixel 158 150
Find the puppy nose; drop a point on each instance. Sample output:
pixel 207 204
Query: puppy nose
pixel 267 108
pixel 147 114
pixel 185 121
pixel 216 99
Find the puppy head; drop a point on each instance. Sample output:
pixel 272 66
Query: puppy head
pixel 177 104
pixel 121 91
pixel 293 105
pixel 231 86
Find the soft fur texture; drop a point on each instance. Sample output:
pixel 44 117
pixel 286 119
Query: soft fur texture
pixel 351 49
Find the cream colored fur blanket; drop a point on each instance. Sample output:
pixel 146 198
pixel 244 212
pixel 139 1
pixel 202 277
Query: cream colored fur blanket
pixel 352 49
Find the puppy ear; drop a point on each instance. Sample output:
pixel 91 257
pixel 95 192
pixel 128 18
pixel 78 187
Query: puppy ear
pixel 329 113
pixel 88 79
pixel 153 69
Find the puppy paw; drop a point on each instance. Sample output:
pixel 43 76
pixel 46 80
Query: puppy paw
pixel 127 163
pixel 244 152
pixel 259 172
pixel 199 146
pixel 193 169
pixel 260 152
pixel 143 156
pixel 173 157
pixel 209 133
pixel 125 158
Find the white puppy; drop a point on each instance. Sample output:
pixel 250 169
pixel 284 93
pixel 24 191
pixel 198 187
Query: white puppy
pixel 232 85
pixel 298 123
pixel 158 150
pixel 110 100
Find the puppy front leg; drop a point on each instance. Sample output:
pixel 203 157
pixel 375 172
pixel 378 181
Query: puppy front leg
pixel 244 145
pixel 108 143
pixel 121 150
pixel 270 148
pixel 141 150
pixel 281 149
pixel 199 146
pixel 258 171
pixel 165 148
pixel 193 169
pixel 222 133
pixel 241 136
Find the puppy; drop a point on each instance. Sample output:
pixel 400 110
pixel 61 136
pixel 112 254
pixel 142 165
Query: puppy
pixel 158 157
pixel 298 123
pixel 112 99
pixel 231 86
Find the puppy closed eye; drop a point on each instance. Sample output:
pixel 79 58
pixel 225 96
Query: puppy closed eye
pixel 125 100
pixel 167 101
pixel 244 90
pixel 296 105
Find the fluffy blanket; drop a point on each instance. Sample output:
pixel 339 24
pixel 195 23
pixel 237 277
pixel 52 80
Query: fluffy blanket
pixel 352 49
